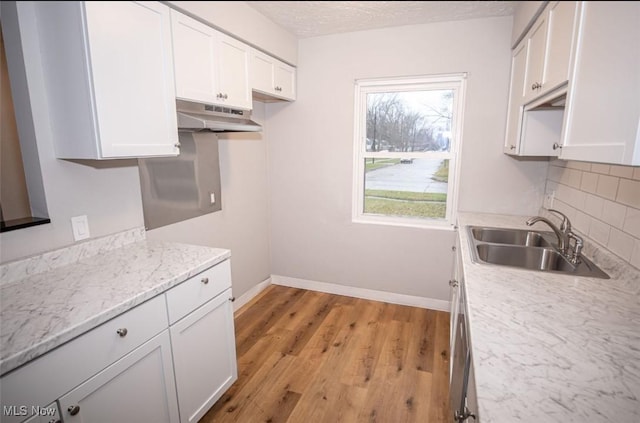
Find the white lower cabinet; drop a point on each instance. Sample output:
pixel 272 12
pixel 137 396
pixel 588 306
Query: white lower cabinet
pixel 137 388
pixel 167 360
pixel 204 356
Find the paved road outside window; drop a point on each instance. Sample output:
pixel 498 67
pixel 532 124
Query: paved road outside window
pixel 414 177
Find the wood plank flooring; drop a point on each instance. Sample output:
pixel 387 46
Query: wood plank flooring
pixel 311 357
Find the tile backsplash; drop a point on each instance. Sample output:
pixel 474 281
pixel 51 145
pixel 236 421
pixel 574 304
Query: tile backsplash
pixel 602 202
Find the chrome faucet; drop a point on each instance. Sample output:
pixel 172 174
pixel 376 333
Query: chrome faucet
pixel 564 234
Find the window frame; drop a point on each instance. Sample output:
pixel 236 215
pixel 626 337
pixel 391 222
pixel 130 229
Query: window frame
pixel 455 82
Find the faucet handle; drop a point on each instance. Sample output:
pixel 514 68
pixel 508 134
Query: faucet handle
pixel 577 249
pixel 566 223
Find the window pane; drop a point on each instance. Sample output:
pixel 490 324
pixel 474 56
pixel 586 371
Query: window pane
pixel 406 187
pixel 409 121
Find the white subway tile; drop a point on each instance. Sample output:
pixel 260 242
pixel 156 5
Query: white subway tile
pixel 599 231
pixel 621 171
pixel 574 178
pixel 607 186
pixel 635 255
pixel 563 192
pixel 614 213
pixel 629 193
pixel 621 244
pixel 589 182
pixel 600 168
pixel 577 198
pixel 555 173
pixel 636 173
pixel 582 222
pixel 632 222
pixel 594 205
pixel 558 162
pixel 579 165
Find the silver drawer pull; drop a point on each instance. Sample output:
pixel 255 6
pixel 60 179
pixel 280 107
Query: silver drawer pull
pixel 122 332
pixel 205 280
pixel 73 409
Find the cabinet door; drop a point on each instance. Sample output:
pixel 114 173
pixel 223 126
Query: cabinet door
pixel 233 57
pixel 131 60
pixel 516 98
pixel 48 414
pixel 137 388
pixel 194 62
pixel 262 71
pixel 603 101
pixel 284 81
pixel 204 356
pixel 536 43
pixel 561 20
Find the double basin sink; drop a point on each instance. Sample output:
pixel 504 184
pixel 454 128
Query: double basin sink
pixel 525 249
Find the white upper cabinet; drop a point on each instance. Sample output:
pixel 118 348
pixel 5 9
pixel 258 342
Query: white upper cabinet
pixel 603 101
pixel 271 79
pixel 536 41
pixel 561 18
pixel 109 78
pixel 194 61
pixel 210 67
pixel 539 73
pixel 516 98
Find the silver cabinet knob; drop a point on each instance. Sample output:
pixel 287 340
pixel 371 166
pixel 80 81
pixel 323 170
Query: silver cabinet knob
pixel 536 86
pixel 225 96
pixel 513 147
pixel 556 146
pixel 232 299
pixel 73 409
pixel 453 283
pixel 205 280
pixel 122 332
pixel 176 145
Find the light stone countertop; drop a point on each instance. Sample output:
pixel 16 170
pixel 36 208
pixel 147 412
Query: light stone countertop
pixel 44 310
pixel 549 347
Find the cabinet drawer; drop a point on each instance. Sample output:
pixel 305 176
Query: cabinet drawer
pixel 191 294
pixel 45 379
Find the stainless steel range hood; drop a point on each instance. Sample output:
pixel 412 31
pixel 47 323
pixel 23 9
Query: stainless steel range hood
pixel 194 117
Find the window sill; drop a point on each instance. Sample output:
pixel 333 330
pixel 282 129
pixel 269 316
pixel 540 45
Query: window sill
pixel 405 222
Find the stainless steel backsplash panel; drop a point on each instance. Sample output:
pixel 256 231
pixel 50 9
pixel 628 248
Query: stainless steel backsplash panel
pixel 180 188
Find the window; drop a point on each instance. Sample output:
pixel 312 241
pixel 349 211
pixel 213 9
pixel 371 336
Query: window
pixel 407 139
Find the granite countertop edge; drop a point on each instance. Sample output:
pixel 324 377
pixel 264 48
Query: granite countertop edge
pixel 113 293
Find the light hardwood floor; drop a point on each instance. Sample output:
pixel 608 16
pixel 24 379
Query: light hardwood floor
pixel 311 357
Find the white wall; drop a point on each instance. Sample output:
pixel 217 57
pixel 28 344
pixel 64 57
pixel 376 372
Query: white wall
pixel 312 236
pixel 244 23
pixel 243 223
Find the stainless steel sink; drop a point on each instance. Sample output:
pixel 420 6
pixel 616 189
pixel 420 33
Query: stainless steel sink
pixel 528 250
pixel 512 236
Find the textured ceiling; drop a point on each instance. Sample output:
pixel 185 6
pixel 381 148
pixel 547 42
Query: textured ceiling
pixel 313 18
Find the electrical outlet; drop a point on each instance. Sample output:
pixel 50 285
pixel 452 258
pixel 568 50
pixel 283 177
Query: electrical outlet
pixel 80 225
pixel 549 199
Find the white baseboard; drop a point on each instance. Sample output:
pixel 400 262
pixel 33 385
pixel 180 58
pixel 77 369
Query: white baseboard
pixel 250 294
pixel 367 294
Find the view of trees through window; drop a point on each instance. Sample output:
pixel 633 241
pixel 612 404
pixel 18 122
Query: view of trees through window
pixel 417 123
